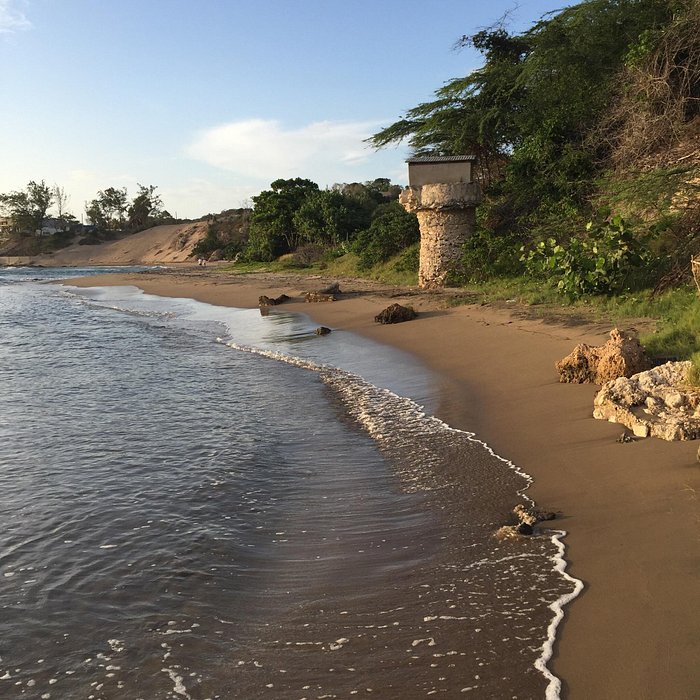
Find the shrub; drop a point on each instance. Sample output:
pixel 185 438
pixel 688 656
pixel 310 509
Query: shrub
pixel 392 229
pixel 602 263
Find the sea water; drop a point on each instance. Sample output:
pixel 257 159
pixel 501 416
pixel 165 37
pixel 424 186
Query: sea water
pixel 202 502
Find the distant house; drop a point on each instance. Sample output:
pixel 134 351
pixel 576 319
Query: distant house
pixel 6 225
pixel 51 226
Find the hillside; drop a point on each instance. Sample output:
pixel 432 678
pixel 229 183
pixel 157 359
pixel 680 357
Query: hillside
pixel 158 245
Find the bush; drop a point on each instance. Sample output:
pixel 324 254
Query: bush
pixel 603 262
pixel 392 229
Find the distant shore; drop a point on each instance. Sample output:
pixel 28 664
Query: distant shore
pixel 631 510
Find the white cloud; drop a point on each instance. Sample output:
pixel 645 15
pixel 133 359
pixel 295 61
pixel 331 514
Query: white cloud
pixel 11 19
pixel 265 150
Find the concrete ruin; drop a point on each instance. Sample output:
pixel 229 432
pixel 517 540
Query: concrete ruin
pixel 444 197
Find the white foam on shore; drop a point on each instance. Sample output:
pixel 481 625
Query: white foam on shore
pixel 367 410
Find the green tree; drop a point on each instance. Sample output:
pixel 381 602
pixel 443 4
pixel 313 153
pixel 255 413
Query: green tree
pixel 108 209
pixel 529 112
pixel 272 230
pixel 28 207
pixel 145 209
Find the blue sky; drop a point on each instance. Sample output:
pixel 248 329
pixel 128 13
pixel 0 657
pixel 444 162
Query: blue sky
pixel 212 100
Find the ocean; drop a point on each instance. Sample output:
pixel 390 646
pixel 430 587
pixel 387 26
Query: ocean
pixel 205 502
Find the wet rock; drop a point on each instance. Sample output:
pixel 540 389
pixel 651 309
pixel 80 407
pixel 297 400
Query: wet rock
pixel 268 301
pixel 396 314
pixel 313 297
pixel 322 330
pixel 621 356
pixel 528 517
pixel 655 403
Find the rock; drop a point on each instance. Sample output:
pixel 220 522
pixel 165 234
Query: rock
pixel 268 301
pixel 396 314
pixel 655 403
pixel 331 289
pixel 532 515
pixel 621 356
pixel 624 438
pixel 524 529
pixel 312 297
pixel 322 330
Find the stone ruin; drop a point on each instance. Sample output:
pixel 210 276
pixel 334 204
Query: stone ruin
pixel 444 197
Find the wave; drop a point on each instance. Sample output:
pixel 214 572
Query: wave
pixel 401 427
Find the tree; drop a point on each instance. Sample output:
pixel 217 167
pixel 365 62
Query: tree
pixel 60 199
pixel 108 209
pixel 28 207
pixel 272 231
pixel 145 207
pixel 528 113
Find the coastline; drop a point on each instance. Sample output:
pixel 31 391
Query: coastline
pixel 630 510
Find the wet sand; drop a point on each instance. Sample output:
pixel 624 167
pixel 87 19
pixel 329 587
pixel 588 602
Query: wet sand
pixel 631 510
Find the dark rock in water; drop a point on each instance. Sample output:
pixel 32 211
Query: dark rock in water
pixel 312 297
pixel 269 301
pixel 396 314
pixel 322 330
pixel 525 529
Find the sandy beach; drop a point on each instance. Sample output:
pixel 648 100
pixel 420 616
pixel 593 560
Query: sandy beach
pixel 630 510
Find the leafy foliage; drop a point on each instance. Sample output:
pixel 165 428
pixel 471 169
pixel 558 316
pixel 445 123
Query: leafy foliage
pixel 600 263
pixel 392 229
pixel 528 112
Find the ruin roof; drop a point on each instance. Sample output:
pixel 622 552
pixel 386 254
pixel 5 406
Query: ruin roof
pixel 441 159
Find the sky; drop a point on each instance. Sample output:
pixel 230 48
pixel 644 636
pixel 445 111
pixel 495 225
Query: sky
pixel 212 100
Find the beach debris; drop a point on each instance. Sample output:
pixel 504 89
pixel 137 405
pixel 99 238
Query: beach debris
pixel 322 330
pixel 396 314
pixel 657 403
pixel 268 301
pixel 621 356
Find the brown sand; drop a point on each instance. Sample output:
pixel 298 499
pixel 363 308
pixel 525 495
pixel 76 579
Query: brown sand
pixel 631 510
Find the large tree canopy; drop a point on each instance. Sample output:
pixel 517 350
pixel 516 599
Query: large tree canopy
pixel 528 112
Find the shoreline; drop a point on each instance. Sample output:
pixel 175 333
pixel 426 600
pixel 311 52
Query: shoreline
pixel 630 510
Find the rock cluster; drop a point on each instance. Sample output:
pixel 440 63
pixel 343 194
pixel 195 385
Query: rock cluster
pixel 396 314
pixel 654 403
pixel 621 356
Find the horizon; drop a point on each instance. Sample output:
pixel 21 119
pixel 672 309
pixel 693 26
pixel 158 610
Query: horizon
pixel 212 103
